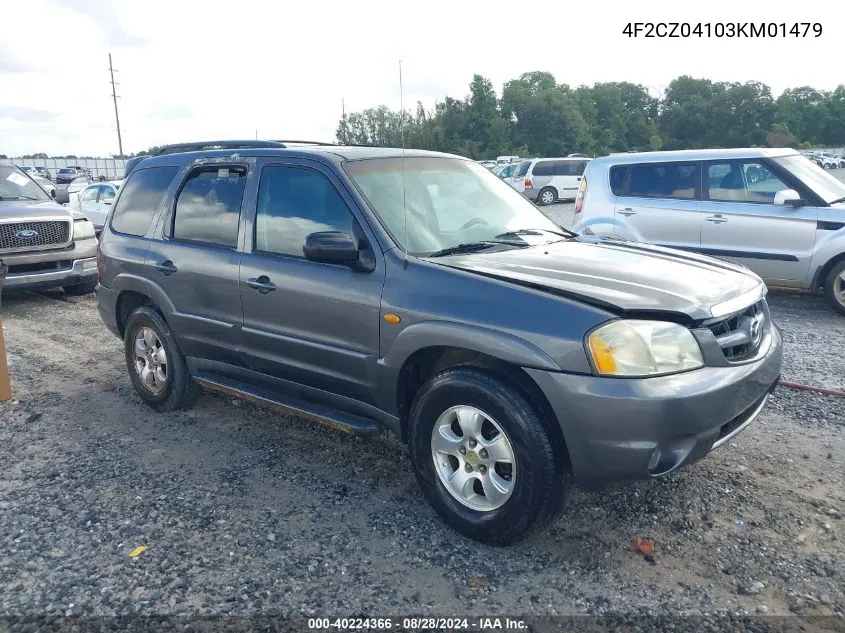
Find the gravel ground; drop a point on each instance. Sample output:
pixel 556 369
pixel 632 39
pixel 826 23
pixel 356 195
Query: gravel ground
pixel 244 511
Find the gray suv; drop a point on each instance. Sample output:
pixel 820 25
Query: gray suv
pixel 44 244
pixel 372 289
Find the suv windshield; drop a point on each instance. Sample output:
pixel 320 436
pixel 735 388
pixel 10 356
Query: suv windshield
pixel 828 187
pixel 449 202
pixel 16 185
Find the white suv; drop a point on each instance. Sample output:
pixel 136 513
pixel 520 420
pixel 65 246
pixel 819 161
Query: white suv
pixel 772 210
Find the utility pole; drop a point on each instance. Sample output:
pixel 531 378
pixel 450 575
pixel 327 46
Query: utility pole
pixel 116 117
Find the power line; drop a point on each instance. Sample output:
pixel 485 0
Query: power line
pixel 114 97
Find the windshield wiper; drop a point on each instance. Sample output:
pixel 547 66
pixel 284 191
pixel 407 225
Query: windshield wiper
pixel 17 198
pixel 563 233
pixel 842 199
pixel 471 247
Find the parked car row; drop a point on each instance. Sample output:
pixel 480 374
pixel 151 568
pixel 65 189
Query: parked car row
pixel 42 172
pixel 826 160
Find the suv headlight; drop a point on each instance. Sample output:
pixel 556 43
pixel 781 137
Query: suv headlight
pixel 632 348
pixel 83 229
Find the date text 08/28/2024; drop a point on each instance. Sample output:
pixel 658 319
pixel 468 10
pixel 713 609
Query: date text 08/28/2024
pixel 418 623
pixel 722 29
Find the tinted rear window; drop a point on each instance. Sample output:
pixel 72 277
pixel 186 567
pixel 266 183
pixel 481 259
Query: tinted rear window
pixel 141 197
pixel 209 206
pixel 664 181
pixel 522 169
pixel 544 168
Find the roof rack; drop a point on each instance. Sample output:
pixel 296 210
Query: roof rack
pixel 198 146
pixel 321 143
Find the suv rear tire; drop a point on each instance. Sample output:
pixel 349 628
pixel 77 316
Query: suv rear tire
pixel 156 367
pixel 84 288
pixel 456 417
pixel 834 287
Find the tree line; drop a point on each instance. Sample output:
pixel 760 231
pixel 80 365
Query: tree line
pixel 536 116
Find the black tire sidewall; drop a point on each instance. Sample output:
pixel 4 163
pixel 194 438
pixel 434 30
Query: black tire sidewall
pixel 148 317
pixel 527 436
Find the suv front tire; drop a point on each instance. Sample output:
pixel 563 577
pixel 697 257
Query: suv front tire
pixel 485 457
pixel 834 287
pixel 156 367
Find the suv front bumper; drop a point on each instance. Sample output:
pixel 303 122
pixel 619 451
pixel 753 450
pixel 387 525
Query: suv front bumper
pixel 51 268
pixel 620 429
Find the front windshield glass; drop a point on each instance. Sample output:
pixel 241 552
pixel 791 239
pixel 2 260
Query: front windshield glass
pixel 16 185
pixel 828 187
pixel 449 202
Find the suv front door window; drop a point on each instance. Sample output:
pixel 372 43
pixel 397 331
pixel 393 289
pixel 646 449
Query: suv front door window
pixel 741 222
pixel 311 323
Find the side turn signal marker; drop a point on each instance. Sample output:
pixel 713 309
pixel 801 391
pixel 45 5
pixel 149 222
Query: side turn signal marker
pixel 392 318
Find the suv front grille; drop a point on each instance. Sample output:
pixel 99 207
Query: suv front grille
pixel 43 234
pixel 739 335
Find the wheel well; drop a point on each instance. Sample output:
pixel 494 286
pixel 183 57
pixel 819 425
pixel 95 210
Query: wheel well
pixel 428 362
pixel 126 304
pixel 821 277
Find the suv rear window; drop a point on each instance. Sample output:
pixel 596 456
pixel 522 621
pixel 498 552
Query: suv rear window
pixel 522 169
pixel 663 180
pixel 544 168
pixel 209 206
pixel 142 194
pixel 571 167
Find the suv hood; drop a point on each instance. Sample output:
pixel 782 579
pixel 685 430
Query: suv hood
pixel 623 276
pixel 21 210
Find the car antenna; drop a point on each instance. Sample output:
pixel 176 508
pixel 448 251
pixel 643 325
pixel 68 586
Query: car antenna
pixel 404 194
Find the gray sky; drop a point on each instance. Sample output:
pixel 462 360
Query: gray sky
pixel 210 69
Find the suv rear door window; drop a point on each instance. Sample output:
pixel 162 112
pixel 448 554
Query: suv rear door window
pixel 292 203
pixel 544 168
pixel 664 180
pixel 142 195
pixel 209 206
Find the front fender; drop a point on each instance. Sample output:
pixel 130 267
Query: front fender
pixel 427 334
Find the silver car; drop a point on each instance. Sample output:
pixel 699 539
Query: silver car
pixel 772 210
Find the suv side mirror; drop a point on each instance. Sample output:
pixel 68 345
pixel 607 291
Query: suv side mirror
pixel 790 198
pixel 331 247
pixel 61 196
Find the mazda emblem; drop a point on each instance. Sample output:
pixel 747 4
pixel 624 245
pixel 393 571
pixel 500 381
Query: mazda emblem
pixel 754 328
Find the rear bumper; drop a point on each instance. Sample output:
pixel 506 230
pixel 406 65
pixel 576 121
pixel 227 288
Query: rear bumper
pixel 619 429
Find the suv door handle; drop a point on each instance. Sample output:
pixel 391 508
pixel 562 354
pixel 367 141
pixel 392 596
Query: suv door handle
pixel 716 219
pixel 166 268
pixel 262 284
pixel 627 211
